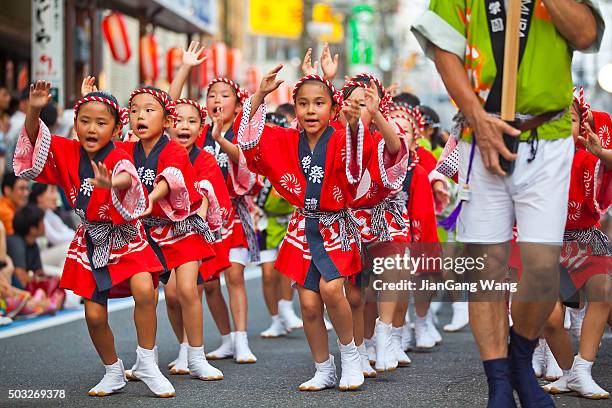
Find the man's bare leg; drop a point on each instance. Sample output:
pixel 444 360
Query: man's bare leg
pixel 532 304
pixel 489 322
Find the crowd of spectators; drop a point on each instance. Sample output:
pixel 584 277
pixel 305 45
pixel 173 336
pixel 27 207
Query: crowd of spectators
pixel 36 224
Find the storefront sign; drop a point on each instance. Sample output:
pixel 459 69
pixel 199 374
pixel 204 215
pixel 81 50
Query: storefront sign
pixel 48 45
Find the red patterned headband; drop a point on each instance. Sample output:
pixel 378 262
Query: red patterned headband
pixel 385 101
pixel 337 96
pixel 583 108
pixel 409 118
pixel 242 94
pixel 415 161
pixel 203 111
pixel 415 117
pixel 163 98
pixel 123 112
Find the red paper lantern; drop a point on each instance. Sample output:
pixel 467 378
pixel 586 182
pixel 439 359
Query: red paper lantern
pixel 115 34
pixel 174 59
pixel 219 52
pixel 206 70
pixel 234 64
pixel 149 69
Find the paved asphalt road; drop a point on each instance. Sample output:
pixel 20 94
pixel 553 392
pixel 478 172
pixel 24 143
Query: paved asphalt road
pixel 63 358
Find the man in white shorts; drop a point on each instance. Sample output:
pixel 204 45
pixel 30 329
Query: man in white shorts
pixel 465 38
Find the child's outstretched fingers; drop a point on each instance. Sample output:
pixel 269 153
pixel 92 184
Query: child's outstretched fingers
pixel 372 99
pixel 307 67
pixel 193 55
pixel 88 85
pixel 269 83
pixel 217 125
pixel 102 177
pixel 39 94
pixel 592 141
pixel 329 65
pixel 351 112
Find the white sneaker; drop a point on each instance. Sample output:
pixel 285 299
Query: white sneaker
pixel 72 301
pixel 369 345
pixel 352 376
pixel 147 370
pixel 243 354
pixel 113 380
pixel 424 341
pixel 407 337
pixel 396 343
pixel 5 320
pixel 325 376
pixel 225 350
pixel 129 374
pixel 200 368
pixel 539 359
pixel 328 325
pixel 567 319
pixel 180 365
pixel 581 381
pixel 368 371
pixel 576 318
pixel 559 386
pixel 460 319
pixel 553 371
pixel 277 329
pixel 434 308
pixel 385 355
pixel 288 316
pixel 431 328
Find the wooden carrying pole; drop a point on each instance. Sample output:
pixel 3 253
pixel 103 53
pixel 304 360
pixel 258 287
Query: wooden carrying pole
pixel 511 54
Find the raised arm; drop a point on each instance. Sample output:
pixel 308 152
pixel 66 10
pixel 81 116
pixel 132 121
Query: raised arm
pixel 269 84
pixel 39 97
pixel 593 146
pixel 191 58
pixel 329 65
pixel 372 101
pixel 489 130
pixel 575 21
pixel 232 151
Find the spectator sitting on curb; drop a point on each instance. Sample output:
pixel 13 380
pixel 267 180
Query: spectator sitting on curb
pixel 25 253
pixel 58 235
pixel 15 191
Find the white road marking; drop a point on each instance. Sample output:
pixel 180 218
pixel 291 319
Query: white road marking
pixel 78 314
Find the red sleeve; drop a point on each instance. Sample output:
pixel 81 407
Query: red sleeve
pixel 174 166
pixel 426 159
pixel 202 137
pixel 422 206
pixel 206 168
pixel 423 218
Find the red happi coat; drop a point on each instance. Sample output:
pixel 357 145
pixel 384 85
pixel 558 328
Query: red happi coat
pixel 210 183
pixel 420 208
pixel 170 161
pixel 426 159
pixel 381 179
pixel 58 161
pixel 590 196
pixel 238 185
pixel 274 153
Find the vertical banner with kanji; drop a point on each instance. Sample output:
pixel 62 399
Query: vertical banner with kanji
pixel 48 45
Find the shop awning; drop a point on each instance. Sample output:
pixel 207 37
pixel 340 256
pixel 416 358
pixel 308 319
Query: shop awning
pixel 184 16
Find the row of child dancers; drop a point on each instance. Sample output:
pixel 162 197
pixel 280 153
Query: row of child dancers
pixel 182 200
